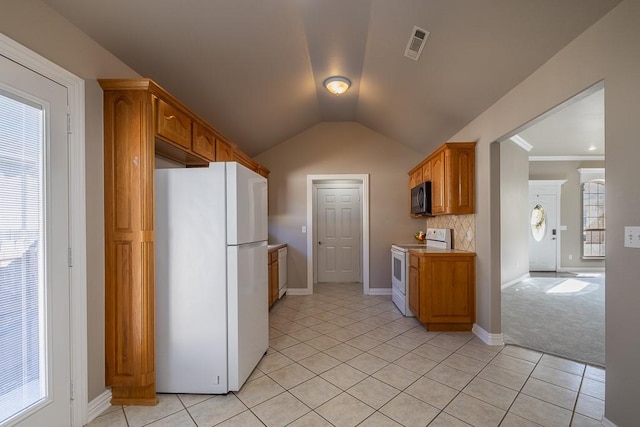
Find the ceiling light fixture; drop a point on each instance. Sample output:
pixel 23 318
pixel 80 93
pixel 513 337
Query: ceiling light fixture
pixel 337 85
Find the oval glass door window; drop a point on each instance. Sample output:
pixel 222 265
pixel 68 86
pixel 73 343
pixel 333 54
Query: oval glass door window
pixel 538 222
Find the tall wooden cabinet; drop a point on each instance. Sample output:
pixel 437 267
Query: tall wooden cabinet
pixel 141 120
pixel 451 170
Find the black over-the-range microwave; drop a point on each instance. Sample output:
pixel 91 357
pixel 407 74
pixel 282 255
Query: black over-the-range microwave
pixel 421 199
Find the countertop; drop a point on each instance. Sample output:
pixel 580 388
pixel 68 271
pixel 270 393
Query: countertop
pixel 436 251
pixel 276 246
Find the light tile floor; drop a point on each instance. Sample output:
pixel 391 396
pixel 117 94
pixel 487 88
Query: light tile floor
pixel 340 358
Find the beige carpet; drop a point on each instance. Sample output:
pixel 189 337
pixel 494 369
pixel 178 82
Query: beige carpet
pixel 557 315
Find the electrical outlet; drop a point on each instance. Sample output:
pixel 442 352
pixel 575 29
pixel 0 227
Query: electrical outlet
pixel 632 237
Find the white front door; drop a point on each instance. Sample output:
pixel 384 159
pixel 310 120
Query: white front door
pixel 35 377
pixel 543 232
pixel 338 235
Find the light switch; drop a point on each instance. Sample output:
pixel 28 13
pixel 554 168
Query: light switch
pixel 632 237
pixel 304 229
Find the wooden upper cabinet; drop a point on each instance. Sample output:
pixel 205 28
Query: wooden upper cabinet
pixel 173 125
pixel 451 170
pixel 460 180
pixel 204 142
pixel 224 151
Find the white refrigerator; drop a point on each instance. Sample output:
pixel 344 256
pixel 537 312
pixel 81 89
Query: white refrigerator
pixel 212 325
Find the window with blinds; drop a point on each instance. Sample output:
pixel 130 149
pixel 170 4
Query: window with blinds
pixel 22 266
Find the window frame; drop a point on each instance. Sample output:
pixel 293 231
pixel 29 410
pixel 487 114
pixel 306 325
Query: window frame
pixel 592 176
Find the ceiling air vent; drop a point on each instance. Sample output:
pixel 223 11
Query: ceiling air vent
pixel 416 43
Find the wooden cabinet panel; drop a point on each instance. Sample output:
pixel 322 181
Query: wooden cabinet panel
pixel 450 294
pixel 438 183
pixel 460 175
pixel 273 277
pixel 173 124
pixel 414 290
pixel 204 142
pixel 426 171
pixel 224 151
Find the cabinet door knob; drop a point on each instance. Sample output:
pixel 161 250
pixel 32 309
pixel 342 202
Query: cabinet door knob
pixel 319 243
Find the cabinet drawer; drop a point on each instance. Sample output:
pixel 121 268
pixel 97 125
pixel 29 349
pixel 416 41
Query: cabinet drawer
pixel 224 151
pixel 173 125
pixel 204 142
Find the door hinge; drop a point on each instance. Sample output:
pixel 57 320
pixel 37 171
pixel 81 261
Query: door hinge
pixel 68 123
pixel 71 391
pixel 70 257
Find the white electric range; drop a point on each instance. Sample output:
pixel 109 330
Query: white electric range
pixel 437 238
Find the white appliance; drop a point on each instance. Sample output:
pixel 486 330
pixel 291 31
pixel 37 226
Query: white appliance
pixel 212 323
pixel 282 271
pixel 436 239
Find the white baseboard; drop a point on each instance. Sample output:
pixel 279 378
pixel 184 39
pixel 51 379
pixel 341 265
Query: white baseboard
pixel 607 423
pixel 98 405
pixel 379 291
pixel 297 291
pixel 486 337
pixel 514 281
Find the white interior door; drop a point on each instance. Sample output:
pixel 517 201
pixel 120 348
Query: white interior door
pixel 338 235
pixel 35 372
pixel 543 232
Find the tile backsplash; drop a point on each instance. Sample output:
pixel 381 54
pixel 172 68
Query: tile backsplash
pixel 463 229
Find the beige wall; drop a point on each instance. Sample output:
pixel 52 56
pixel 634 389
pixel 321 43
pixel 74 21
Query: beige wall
pixel 42 30
pixel 341 148
pixel 608 50
pixel 570 209
pixel 514 204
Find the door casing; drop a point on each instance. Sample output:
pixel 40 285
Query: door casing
pixel 551 187
pixel 357 179
pixel 77 215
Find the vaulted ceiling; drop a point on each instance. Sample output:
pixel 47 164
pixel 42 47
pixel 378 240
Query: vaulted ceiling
pixel 254 68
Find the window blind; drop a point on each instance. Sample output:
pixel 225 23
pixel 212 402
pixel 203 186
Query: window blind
pixel 22 291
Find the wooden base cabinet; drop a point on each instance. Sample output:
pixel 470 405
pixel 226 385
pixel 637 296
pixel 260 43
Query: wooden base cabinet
pixel 443 289
pixel 273 277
